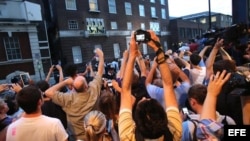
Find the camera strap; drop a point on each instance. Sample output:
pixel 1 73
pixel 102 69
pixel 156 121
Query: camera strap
pixel 156 43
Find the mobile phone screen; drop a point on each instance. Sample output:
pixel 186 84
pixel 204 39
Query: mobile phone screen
pixel 185 111
pixel 25 79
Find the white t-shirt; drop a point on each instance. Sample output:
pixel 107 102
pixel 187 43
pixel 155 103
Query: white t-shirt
pixel 41 128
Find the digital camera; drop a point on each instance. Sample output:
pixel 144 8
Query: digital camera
pixel 142 36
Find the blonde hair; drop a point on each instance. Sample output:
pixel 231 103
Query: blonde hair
pixel 94 124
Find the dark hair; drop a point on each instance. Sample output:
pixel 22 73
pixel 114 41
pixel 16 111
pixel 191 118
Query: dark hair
pixel 107 104
pixel 28 98
pixel 198 92
pixel 221 65
pixel 195 59
pixel 42 85
pixel 70 70
pixel 151 120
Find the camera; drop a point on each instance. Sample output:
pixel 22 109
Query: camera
pixel 142 36
pixel 237 85
pixel 230 34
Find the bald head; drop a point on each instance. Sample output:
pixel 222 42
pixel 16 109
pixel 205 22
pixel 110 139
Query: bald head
pixel 80 84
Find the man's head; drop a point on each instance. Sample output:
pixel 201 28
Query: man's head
pixel 221 65
pixel 29 99
pixel 195 59
pixel 196 95
pixel 150 118
pixel 80 84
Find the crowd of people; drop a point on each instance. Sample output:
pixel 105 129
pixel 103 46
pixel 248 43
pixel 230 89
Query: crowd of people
pixel 170 97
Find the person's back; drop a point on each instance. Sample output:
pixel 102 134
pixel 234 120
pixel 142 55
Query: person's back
pixel 196 97
pixel 33 125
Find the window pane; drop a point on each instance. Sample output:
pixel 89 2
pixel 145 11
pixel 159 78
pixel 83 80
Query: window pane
pixel 128 9
pixel 163 13
pixel 12 47
pixel 129 25
pixel 77 54
pixel 141 11
pixel 70 4
pixel 73 24
pixel 95 26
pixel 153 12
pixel 112 6
pixel 93 6
pixel 113 25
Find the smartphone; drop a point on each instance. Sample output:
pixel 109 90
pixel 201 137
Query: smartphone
pixel 25 78
pixel 110 84
pixel 185 111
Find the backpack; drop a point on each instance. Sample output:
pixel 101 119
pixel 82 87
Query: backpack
pixel 206 129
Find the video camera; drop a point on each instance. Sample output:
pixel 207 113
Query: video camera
pixel 142 36
pixel 237 85
pixel 230 34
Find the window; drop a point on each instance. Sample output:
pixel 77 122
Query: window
pixel 163 13
pixel 128 9
pixel 93 6
pixel 155 26
pixel 153 12
pixel 116 48
pixel 77 54
pixel 162 2
pixel 95 26
pixel 152 1
pixel 112 6
pixel 213 19
pixel 144 49
pixel 73 24
pixel 98 46
pixel 129 25
pixel 203 20
pixel 70 4
pixel 142 25
pixel 141 10
pixel 12 47
pixel 113 25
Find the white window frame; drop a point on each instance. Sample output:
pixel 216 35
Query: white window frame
pixel 155 26
pixel 162 2
pixel 113 25
pixel 153 12
pixel 129 26
pixel 12 48
pixel 77 54
pixel 143 26
pixel 163 13
pixel 128 9
pixel 93 5
pixel 112 6
pixel 141 10
pixel 70 4
pixel 117 50
pixel 72 24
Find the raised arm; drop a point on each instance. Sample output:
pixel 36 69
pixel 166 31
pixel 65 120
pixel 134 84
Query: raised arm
pixel 126 96
pixel 51 69
pixel 61 77
pixel 150 76
pixel 214 87
pixel 211 58
pixel 123 63
pixel 169 95
pixel 101 61
pixel 141 63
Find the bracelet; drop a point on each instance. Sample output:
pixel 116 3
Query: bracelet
pixel 160 56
